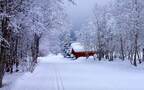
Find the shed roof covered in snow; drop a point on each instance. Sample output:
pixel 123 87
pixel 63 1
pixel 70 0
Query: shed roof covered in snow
pixel 77 47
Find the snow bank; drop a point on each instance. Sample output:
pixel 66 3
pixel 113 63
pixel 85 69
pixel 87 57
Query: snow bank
pixel 51 58
pixel 10 79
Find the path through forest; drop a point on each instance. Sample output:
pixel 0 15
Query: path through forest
pixel 57 73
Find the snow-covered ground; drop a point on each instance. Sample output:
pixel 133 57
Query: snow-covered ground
pixel 10 79
pixel 58 73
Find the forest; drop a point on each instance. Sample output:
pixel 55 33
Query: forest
pixel 30 29
pixel 116 30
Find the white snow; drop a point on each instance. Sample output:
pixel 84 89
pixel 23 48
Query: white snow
pixel 77 46
pixel 58 73
pixel 9 80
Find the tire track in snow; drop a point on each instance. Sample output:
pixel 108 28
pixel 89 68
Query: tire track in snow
pixel 59 81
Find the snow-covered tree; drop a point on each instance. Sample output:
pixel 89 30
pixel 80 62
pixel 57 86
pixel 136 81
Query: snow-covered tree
pixel 58 30
pixel 22 24
pixel 129 19
pixel 118 29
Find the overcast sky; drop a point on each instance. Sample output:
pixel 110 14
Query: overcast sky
pixel 78 13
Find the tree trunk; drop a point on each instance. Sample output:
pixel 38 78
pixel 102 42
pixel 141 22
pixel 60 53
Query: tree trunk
pixel 143 55
pixel 111 56
pixel 35 48
pixel 135 50
pixel 107 54
pixel 122 49
pixel 0 79
pixel 16 57
pixel 99 55
pixel 3 47
pixel 139 59
pixel 2 59
pixel 2 53
pixel 1 73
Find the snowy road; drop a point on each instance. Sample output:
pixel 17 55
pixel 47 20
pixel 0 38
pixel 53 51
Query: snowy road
pixel 57 73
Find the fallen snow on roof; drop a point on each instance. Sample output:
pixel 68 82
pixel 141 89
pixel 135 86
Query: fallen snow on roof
pixel 77 46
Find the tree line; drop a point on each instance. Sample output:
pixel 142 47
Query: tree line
pixel 24 24
pixel 116 30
